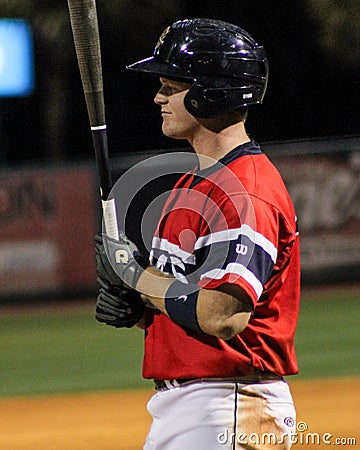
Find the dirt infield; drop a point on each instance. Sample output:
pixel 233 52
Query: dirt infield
pixel 329 409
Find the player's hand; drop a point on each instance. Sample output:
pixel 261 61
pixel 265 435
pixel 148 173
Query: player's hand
pixel 118 308
pixel 118 262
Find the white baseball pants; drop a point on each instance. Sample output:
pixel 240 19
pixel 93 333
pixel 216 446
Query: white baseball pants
pixel 222 415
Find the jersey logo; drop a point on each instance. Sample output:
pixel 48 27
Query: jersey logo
pixel 176 265
pixel 161 263
pixel 241 249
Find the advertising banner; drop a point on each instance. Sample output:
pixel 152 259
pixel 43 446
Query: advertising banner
pixel 47 226
pixel 325 189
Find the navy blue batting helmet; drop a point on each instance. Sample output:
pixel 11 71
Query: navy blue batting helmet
pixel 225 65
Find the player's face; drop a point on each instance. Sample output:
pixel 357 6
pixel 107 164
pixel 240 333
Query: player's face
pixel 178 123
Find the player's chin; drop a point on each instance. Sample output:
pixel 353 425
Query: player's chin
pixel 172 132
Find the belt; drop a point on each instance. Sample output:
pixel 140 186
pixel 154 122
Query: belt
pixel 255 378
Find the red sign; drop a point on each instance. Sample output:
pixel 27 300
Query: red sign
pixel 47 227
pixel 325 191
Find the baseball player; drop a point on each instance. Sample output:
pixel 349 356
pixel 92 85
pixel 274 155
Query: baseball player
pixel 219 298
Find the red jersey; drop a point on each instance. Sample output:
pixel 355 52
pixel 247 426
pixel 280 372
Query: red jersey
pixel 231 223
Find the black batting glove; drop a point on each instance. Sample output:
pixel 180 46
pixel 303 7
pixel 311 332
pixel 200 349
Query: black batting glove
pixel 118 262
pixel 120 309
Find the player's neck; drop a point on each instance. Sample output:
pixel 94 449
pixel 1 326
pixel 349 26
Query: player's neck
pixel 216 144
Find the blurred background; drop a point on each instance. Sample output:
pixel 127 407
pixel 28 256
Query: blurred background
pixel 313 48
pixel 308 125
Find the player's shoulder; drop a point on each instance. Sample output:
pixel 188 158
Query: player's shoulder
pixel 263 183
pixel 257 173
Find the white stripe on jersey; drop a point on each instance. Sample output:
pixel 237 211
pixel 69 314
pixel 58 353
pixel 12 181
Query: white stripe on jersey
pixel 234 233
pixel 173 249
pixel 238 269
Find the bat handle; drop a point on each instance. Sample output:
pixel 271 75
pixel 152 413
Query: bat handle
pixel 110 218
pixel 99 136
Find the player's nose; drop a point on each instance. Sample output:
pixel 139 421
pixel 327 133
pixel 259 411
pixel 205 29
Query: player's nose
pixel 160 98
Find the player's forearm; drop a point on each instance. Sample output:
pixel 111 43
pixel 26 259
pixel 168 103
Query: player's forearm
pixel 221 314
pixel 217 313
pixel 153 286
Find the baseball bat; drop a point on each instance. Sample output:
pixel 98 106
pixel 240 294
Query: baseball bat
pixel 85 30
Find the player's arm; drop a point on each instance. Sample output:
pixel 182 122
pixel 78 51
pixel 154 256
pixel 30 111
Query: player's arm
pixel 223 312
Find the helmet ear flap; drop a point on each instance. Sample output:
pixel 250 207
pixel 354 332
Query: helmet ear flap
pixel 204 102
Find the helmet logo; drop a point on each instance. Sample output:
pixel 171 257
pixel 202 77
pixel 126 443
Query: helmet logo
pixel 194 103
pixel 162 37
pixel 248 95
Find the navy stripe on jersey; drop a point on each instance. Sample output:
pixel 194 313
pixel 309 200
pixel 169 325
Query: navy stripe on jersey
pixel 242 252
pixel 240 256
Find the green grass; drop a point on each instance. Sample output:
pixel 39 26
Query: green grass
pixel 328 334
pixel 68 351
